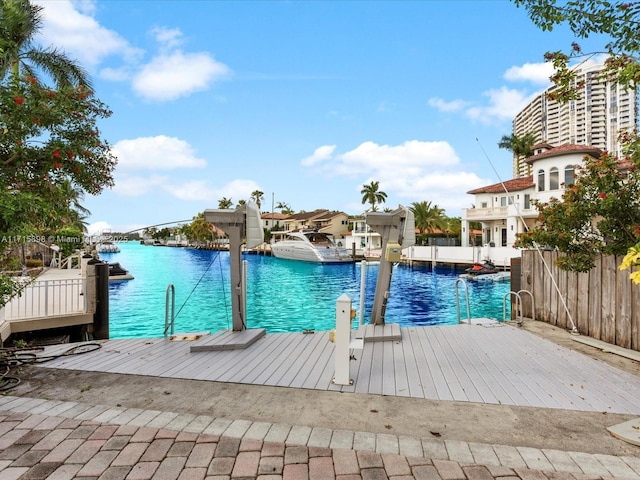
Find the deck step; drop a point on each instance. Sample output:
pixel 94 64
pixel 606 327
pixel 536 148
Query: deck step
pixel 228 340
pixel 380 333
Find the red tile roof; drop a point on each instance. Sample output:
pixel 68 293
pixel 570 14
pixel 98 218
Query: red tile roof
pixel 513 185
pixel 567 149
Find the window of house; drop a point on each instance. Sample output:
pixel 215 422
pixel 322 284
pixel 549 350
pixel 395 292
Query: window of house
pixel 503 201
pixel 541 180
pixel 568 175
pixel 554 179
pixel 527 201
pixel 483 205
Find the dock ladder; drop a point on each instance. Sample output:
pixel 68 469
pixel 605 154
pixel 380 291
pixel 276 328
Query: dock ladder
pixel 518 306
pixel 170 301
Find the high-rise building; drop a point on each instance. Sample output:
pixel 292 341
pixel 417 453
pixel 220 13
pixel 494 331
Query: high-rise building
pixel 602 111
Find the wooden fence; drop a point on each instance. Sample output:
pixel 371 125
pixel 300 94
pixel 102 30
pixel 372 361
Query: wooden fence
pixel 602 303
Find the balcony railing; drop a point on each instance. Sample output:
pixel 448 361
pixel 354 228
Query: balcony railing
pixel 47 298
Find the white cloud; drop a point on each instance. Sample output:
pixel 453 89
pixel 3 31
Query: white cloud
pixel 135 186
pixel 444 106
pixel 97 228
pixel 168 37
pixel 156 153
pixel 236 190
pixel 504 104
pixel 72 28
pixel 537 73
pixel 178 74
pixel 320 154
pixel 412 171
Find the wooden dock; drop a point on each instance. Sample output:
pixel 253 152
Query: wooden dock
pixel 499 364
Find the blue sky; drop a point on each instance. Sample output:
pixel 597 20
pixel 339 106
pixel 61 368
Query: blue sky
pixel 306 101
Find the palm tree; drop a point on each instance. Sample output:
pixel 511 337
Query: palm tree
pixel 521 147
pixel 257 196
pixel 20 21
pixel 428 218
pixel 284 208
pixel 224 203
pixel 371 195
pixel 75 214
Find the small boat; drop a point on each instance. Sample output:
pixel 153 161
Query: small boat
pixel 482 268
pixel 117 273
pixel 105 243
pixel 310 246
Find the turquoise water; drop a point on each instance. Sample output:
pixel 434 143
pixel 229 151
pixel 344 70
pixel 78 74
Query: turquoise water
pixel 282 295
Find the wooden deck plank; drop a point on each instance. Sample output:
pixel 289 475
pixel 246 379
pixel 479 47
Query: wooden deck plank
pixel 488 364
pixel 433 363
pixel 296 372
pixel 459 370
pixel 290 356
pixel 400 362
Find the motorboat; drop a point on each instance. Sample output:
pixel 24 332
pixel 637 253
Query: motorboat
pixel 107 247
pixel 486 271
pixel 310 246
pixel 117 273
pixel 105 243
pixel 485 268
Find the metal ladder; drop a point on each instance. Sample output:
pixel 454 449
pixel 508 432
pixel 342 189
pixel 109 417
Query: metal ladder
pixel 518 307
pixel 169 321
pixel 466 296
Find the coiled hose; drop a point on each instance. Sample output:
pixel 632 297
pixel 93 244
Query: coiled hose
pixel 16 357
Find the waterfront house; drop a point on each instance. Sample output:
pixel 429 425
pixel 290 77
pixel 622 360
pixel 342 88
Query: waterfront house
pixel 507 208
pixel 326 221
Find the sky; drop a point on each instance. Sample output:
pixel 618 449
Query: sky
pixel 306 101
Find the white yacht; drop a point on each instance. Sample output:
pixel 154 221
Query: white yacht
pixel 310 246
pixel 105 243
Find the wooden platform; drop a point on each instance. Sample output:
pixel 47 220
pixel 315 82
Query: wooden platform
pixel 468 363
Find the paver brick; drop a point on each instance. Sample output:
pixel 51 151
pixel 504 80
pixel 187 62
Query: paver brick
pixel 296 454
pixel 345 462
pixel 425 472
pixel 103 432
pixel 449 470
pixel 115 473
pixel 221 466
pixel 130 454
pixel 143 470
pixel 296 471
pixel 157 450
pixel 117 442
pixel 98 464
pixel 40 471
pixel 395 465
pixel 193 474
pixel 369 460
pixel 271 465
pixel 246 464
pixel 144 434
pixel 86 451
pixel 374 474
pixel 14 451
pixel 64 472
pixel 201 455
pixel 477 472
pixel 63 450
pixel 321 468
pixel 180 449
pixel 228 447
pixel 29 458
pixel 170 468
pixel 271 449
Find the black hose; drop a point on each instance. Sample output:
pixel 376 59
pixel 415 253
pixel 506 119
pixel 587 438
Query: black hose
pixel 16 357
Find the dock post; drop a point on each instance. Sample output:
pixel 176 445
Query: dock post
pixel 342 339
pixel 101 316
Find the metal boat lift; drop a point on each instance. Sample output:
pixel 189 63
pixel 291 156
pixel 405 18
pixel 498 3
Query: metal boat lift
pixel 398 231
pixel 242 223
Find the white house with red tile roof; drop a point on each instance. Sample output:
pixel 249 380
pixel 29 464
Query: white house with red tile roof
pixel 507 208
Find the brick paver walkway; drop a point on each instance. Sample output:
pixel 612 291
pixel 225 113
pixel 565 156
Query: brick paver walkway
pixel 46 439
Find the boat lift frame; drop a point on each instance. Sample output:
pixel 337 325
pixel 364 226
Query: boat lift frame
pixel 397 230
pixel 243 222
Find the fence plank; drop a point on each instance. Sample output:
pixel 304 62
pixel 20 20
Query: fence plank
pixel 582 310
pixel 635 317
pixel 608 333
pixel 595 300
pixel 623 307
pixel 526 282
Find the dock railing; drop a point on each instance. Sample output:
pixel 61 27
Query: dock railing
pixel 45 298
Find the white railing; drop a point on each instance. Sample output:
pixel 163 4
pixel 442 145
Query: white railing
pixel 46 298
pixel 501 256
pixel 486 213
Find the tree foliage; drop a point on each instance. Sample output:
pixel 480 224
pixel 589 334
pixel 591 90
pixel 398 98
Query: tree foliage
pixel 600 212
pixel 372 195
